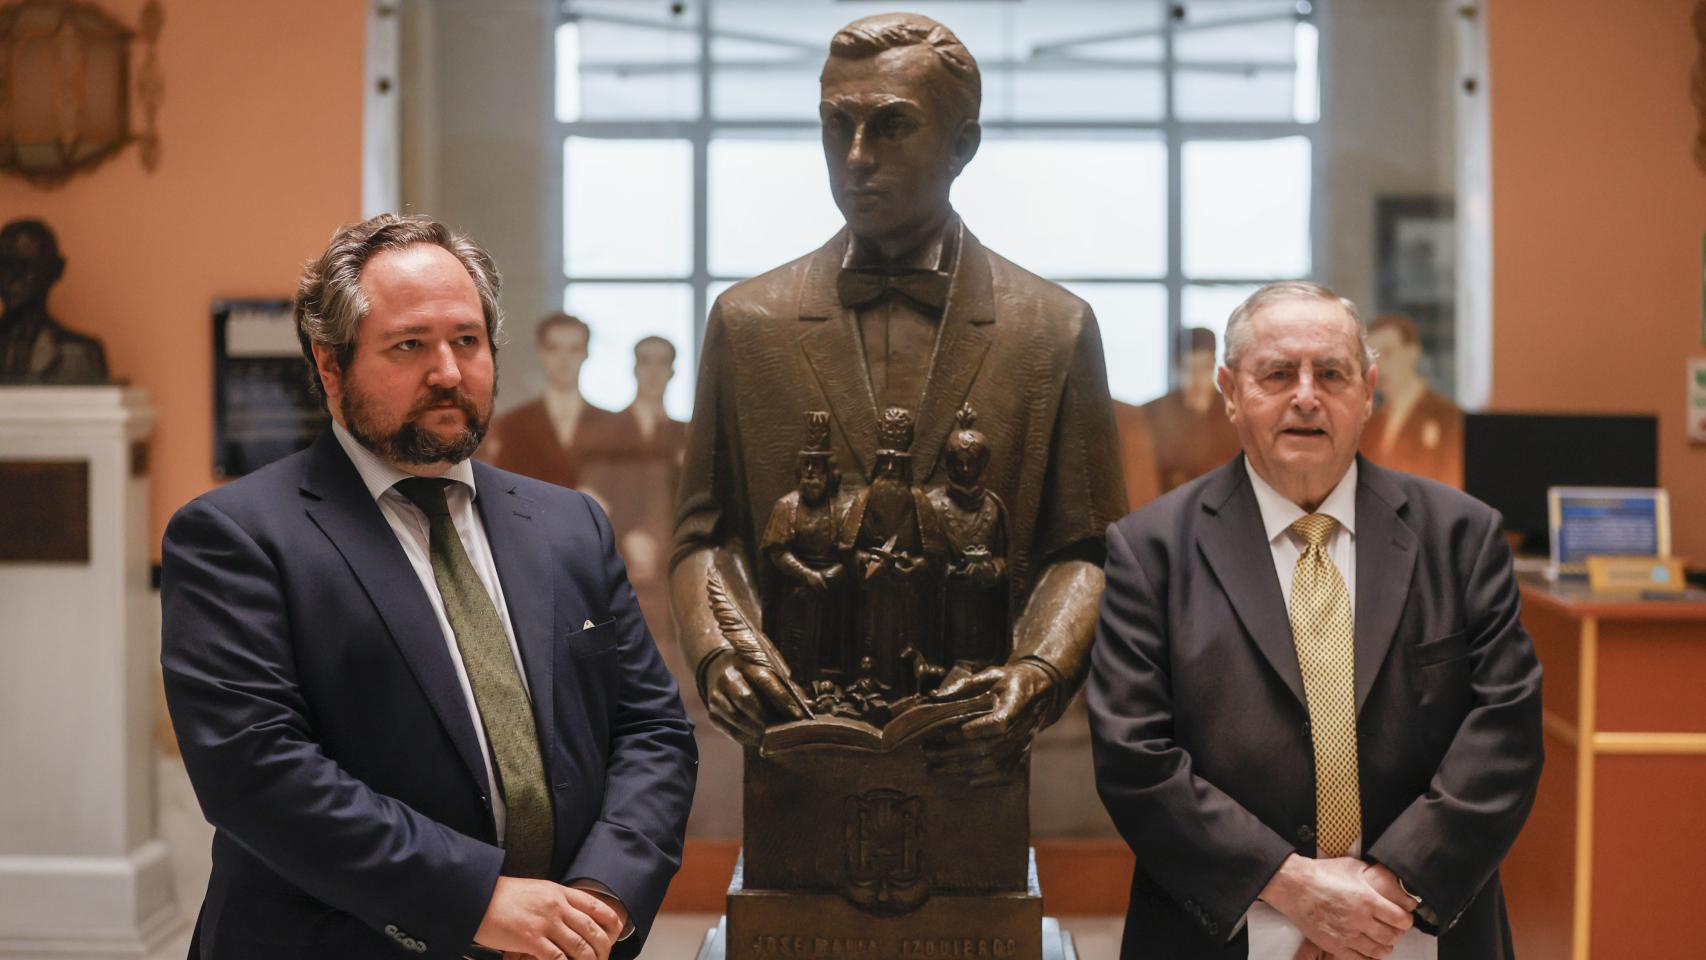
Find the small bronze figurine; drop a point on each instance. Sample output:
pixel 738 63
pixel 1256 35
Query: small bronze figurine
pixel 34 347
pixel 802 540
pixel 974 584
pixel 891 532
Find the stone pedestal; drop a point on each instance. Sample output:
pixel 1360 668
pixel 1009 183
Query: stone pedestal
pixel 83 872
pixel 1056 944
pixel 853 847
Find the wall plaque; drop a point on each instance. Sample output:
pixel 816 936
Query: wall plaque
pixel 47 515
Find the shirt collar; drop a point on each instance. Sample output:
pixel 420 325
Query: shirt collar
pixel 937 255
pixel 1279 513
pixel 379 476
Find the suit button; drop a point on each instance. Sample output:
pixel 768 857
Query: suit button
pixel 1308 729
pixel 1306 833
pixel 1214 929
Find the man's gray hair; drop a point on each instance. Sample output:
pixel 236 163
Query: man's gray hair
pixel 330 304
pixel 1238 325
pixel 869 36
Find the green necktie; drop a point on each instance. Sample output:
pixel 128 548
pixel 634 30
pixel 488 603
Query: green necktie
pixel 498 691
pixel 1326 653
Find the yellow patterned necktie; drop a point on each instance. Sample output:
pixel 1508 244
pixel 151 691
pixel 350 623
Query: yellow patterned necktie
pixel 505 710
pixel 1321 628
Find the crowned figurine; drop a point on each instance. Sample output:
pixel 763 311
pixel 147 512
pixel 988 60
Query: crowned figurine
pixel 975 623
pixel 801 540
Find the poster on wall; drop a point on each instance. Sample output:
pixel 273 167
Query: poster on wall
pixel 262 406
pixel 1416 275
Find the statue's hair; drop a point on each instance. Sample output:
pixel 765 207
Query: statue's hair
pixel 1238 325
pixel 869 36
pixel 330 304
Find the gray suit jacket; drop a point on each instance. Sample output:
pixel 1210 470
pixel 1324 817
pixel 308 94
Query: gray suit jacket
pixel 1202 740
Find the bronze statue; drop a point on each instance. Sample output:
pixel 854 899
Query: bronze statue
pixel 924 790
pixel 974 584
pixel 892 535
pixel 803 541
pixel 34 347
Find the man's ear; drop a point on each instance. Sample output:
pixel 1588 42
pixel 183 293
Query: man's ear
pixel 966 141
pixel 1373 378
pixel 1226 382
pixel 331 375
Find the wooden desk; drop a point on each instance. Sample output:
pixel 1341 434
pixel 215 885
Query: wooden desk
pixel 1612 860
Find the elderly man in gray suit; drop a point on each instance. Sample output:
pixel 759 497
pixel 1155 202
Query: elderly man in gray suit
pixel 1316 718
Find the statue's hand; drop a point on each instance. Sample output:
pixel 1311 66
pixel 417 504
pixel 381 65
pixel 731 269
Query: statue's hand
pixel 989 748
pixel 832 573
pixel 745 698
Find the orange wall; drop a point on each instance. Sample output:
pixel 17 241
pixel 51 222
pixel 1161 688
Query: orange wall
pixel 260 133
pixel 1598 215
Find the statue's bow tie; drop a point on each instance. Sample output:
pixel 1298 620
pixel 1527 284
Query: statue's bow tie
pixel 927 288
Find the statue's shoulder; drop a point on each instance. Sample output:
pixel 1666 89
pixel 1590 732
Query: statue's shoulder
pixel 1046 300
pixel 774 293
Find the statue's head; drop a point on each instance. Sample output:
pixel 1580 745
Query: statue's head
pixel 894 444
pixel 815 470
pixel 29 263
pixel 968 450
pixel 900 98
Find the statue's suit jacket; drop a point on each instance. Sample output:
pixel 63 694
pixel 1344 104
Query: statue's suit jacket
pixel 1202 740
pixel 1024 352
pixel 331 747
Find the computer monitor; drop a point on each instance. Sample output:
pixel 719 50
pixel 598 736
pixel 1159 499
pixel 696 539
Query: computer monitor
pixel 1510 459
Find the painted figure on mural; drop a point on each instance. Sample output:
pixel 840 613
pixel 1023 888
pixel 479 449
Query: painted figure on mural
pixel 1188 425
pixel 975 625
pixel 34 347
pixel 1137 454
pixel 550 437
pixel 633 467
pixel 1414 429
pixel 803 541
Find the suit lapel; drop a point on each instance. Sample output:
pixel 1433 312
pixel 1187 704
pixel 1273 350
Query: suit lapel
pixel 340 505
pixel 961 344
pixel 523 559
pixel 832 347
pixel 1386 562
pixel 1242 560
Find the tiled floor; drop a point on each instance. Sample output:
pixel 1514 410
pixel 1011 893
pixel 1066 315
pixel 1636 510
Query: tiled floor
pixel 674 937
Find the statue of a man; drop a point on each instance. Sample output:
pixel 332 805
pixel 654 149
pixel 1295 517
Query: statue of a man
pixel 34 347
pixel 904 308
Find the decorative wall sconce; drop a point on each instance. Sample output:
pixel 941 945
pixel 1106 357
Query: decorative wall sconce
pixel 65 87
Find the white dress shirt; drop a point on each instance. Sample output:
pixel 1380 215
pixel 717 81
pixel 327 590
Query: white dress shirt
pixel 1272 936
pixel 415 534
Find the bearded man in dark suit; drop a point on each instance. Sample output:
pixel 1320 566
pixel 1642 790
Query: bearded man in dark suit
pixel 904 308
pixel 414 693
pixel 1316 717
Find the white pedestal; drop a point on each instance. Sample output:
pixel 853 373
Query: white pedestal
pixel 83 872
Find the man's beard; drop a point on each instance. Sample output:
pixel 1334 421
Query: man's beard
pixel 409 443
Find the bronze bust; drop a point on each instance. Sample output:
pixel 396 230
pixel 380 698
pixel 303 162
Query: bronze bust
pixel 953 610
pixel 34 347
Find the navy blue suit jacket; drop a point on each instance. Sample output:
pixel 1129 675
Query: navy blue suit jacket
pixel 1202 740
pixel 330 744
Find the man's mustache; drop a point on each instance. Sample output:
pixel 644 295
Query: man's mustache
pixel 440 396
